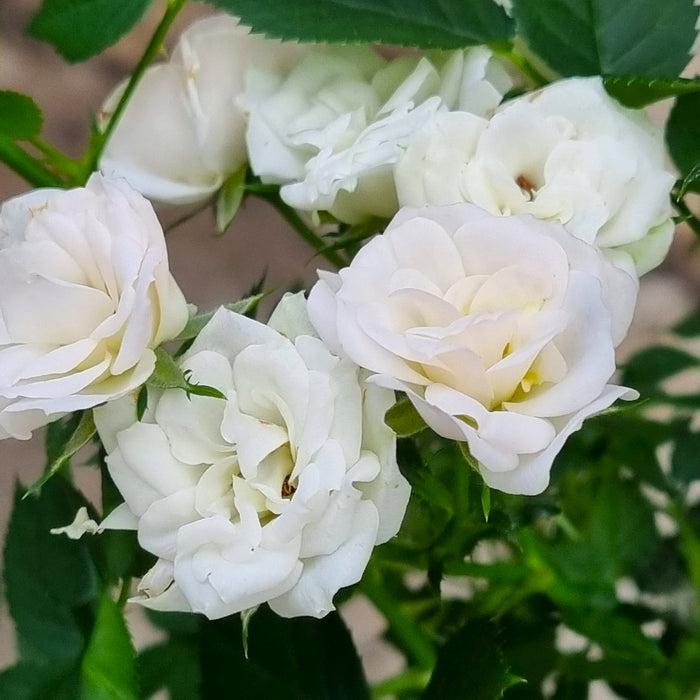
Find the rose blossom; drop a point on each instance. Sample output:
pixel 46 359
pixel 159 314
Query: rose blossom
pixel 501 330
pixel 85 294
pixel 330 130
pixel 182 132
pixel 568 153
pixel 277 494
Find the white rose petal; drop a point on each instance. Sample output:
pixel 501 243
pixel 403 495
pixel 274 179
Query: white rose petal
pixel 501 330
pixel 182 132
pixel 278 493
pixel 85 296
pixel 331 130
pixel 566 153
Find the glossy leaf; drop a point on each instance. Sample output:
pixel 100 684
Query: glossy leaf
pixel 689 327
pixel 683 133
pixel 638 91
pixel 444 24
pixel 647 368
pixel 20 118
pixel 471 665
pixel 79 29
pixel 297 659
pixel 174 666
pixel 243 306
pixel 614 37
pixel 81 436
pixel 168 375
pixel 48 578
pixel 34 681
pixel 109 665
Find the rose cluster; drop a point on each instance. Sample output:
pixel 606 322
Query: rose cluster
pixel 504 273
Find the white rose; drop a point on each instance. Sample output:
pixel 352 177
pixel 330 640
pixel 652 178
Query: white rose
pixel 183 131
pixel 286 111
pixel 501 330
pixel 85 294
pixel 568 153
pixel 277 494
pixel 331 130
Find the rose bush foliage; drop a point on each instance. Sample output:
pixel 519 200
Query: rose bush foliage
pixel 487 222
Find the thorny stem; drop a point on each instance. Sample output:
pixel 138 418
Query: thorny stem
pixel 26 166
pixel 62 163
pixel 685 211
pixel 171 12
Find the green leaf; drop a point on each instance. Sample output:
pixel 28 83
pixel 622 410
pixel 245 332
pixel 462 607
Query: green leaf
pixel 690 546
pixel 528 641
pixel 403 418
pixel 637 91
pixel 20 118
pixel 443 24
pixel 430 508
pixel 683 674
pixel 685 462
pixel 81 436
pixel 168 375
pixel 32 681
pixel 485 501
pixel 176 624
pixel 109 664
pixel 48 579
pixel 617 634
pixel 689 327
pixel 296 659
pixel 229 199
pixel 173 666
pixel 471 665
pixel 683 133
pixel 614 37
pixel 79 29
pixel 243 306
pixel 647 368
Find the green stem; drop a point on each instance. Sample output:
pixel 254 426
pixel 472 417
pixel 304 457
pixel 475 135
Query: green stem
pixel 506 571
pixel 408 634
pixel 684 210
pixel 525 66
pixel 292 218
pixel 61 162
pixel 100 141
pixel 28 167
pixel 260 188
pixel 124 592
pixel 410 679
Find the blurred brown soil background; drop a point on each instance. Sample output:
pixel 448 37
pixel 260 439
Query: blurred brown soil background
pixel 213 270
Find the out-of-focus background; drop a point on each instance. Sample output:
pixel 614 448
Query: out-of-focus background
pixel 213 270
